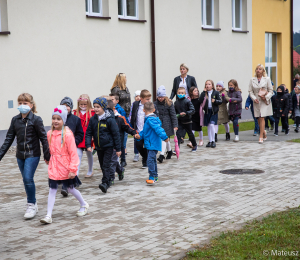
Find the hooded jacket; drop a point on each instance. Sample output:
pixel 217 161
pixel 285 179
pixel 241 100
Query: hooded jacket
pixel 105 132
pixel 184 105
pixel 153 133
pixel 280 105
pixel 289 96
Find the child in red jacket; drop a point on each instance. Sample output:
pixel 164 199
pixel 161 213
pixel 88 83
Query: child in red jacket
pixel 84 111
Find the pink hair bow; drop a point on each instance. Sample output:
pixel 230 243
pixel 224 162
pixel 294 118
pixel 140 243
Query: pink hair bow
pixel 56 109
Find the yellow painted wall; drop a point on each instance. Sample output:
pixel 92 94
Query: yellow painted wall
pixel 272 16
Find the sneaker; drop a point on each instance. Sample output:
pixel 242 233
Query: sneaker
pixel 255 133
pixel 151 181
pixel 136 158
pixel 294 125
pixel 296 129
pixel 287 131
pixel 169 155
pixel 194 148
pixel 161 158
pixel 276 134
pixel 174 152
pixel 236 139
pixel 144 166
pixel 213 145
pixel 123 164
pixel 216 137
pixel 31 210
pixel 46 220
pixel 267 129
pixel 272 127
pixel 82 213
pixel 121 176
pixel 103 187
pixel 208 144
pixel 64 192
pixel 227 136
pixel 155 179
pixel 111 183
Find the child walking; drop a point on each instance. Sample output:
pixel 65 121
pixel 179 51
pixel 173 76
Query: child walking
pixel 167 116
pixel 235 106
pixel 63 164
pixel 104 129
pixel 223 113
pixel 211 109
pixel 296 108
pixel 85 112
pixel 152 134
pixel 184 110
pixel 136 98
pixel 29 131
pixel 280 104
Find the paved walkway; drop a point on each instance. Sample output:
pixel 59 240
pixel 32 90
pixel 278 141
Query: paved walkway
pixel 191 202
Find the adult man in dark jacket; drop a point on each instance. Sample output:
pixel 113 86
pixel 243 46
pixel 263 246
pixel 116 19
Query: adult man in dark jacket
pixel 285 120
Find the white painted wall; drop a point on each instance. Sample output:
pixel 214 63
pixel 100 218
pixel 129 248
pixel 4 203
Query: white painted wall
pixel 55 51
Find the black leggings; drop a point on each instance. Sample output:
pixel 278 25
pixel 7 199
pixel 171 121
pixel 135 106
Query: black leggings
pixel 182 128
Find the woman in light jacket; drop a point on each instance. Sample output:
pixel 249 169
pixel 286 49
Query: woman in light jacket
pixel 262 106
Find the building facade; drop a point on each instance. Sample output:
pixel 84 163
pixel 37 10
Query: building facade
pixel 53 48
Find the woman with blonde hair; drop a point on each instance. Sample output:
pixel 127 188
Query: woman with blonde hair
pixel 261 92
pixel 30 131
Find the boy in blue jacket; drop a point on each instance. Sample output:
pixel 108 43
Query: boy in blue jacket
pixel 152 134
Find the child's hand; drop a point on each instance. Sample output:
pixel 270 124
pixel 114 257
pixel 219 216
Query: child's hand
pixel 72 175
pixel 118 154
pixel 47 162
pixel 90 149
pixel 234 101
pixel 167 140
pixel 213 100
pixel 256 101
pixel 223 95
pixel 283 115
pixel 137 136
pixel 176 128
pixel 182 114
pixel 247 108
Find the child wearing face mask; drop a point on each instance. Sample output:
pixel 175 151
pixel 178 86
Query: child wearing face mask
pixel 211 109
pixel 296 108
pixel 235 106
pixel 30 131
pixel 223 112
pixel 63 163
pixel 85 112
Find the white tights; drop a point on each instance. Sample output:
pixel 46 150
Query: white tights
pixel 211 132
pixel 90 160
pixel 51 199
pixel 165 145
pixel 200 134
pixel 227 129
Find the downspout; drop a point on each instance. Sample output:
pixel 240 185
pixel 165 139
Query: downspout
pixel 292 45
pixel 153 49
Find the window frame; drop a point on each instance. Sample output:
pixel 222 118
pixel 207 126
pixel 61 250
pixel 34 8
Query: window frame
pixel 269 65
pixel 124 16
pixel 204 25
pixel 90 9
pixel 241 15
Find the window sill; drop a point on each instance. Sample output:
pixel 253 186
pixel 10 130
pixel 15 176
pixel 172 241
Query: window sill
pixel 98 17
pixel 211 29
pixel 5 33
pixel 239 31
pixel 132 20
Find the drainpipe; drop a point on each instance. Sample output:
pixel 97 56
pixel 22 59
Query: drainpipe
pixel 292 45
pixel 153 49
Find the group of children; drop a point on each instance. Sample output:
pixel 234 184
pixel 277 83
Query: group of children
pixel 100 127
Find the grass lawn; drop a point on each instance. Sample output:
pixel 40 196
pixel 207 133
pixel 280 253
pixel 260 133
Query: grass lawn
pixel 279 231
pixel 295 141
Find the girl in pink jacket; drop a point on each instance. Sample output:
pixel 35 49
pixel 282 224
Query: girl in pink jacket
pixel 63 164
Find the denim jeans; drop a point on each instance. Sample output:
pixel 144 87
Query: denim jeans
pixel 28 167
pixel 136 151
pixel 152 163
pixel 256 128
pixel 125 139
pixel 236 125
pixel 272 121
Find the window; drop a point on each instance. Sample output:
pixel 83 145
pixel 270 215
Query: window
pixel 128 9
pixel 237 14
pixel 208 13
pixel 271 56
pixel 93 7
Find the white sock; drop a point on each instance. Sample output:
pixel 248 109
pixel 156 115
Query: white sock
pixel 51 201
pixel 78 196
pixel 163 147
pixel 201 135
pixel 227 129
pixel 211 130
pixel 216 129
pixel 193 132
pixel 90 162
pixel 169 148
pixel 80 153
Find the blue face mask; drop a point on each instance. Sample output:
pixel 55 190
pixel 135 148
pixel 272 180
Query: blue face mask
pixel 180 95
pixel 24 109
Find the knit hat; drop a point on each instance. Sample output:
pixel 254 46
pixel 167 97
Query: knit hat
pixel 68 101
pixel 161 92
pixel 137 93
pixel 221 83
pixel 62 112
pixel 101 101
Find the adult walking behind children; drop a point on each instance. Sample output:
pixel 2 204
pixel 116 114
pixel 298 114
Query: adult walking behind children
pixel 63 164
pixel 30 131
pixel 152 134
